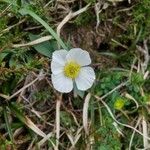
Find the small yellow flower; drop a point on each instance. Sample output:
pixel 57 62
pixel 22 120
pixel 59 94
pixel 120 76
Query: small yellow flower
pixel 119 103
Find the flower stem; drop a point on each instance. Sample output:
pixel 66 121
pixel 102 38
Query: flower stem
pixel 58 104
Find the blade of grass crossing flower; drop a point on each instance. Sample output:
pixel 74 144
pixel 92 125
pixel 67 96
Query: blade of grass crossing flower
pixel 25 11
pixel 8 126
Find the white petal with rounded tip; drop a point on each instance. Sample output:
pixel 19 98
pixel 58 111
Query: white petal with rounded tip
pixel 56 67
pixel 85 79
pixel 62 83
pixel 82 57
pixel 59 56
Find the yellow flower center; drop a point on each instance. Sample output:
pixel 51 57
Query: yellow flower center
pixel 72 69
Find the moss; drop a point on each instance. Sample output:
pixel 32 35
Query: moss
pixel 141 18
pixel 84 18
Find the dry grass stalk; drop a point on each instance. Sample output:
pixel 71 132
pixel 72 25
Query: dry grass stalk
pixel 58 104
pixel 85 113
pixel 132 136
pixel 70 16
pixel 145 132
pixel 32 126
pixel 40 77
pixel 35 42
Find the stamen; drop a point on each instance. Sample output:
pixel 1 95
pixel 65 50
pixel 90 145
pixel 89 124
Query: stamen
pixel 72 69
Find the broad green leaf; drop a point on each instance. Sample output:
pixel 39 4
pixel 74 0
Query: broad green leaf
pixel 2 56
pixel 46 48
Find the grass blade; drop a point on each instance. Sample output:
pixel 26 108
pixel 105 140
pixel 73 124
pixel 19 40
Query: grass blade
pixel 25 11
pixel 8 126
pixel 26 121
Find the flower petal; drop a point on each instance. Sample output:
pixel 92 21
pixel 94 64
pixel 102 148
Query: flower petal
pixel 85 79
pixel 58 61
pixel 62 83
pixel 56 67
pixel 59 56
pixel 82 57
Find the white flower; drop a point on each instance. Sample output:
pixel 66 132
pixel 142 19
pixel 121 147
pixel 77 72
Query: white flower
pixel 69 67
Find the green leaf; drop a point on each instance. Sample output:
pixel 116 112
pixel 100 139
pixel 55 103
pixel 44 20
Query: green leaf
pixel 2 56
pixel 12 62
pixel 18 113
pixel 19 2
pixel 46 48
pixel 78 92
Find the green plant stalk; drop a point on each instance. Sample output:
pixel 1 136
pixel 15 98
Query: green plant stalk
pixel 25 11
pixel 17 113
pixel 8 124
pixel 11 2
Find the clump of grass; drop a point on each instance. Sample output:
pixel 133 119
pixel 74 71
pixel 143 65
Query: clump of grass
pixel 141 17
